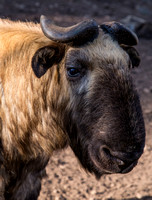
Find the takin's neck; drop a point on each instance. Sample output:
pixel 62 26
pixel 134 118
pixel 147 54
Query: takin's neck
pixel 29 125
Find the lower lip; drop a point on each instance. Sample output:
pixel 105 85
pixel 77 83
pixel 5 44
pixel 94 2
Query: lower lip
pixel 128 169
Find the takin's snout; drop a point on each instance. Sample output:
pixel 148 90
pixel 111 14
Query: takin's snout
pixel 124 161
pixel 107 161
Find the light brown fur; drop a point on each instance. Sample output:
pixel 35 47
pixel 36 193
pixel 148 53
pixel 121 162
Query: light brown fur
pixel 25 111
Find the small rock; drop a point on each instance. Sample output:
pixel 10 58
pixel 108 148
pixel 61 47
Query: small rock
pixel 146 90
pixel 138 195
pixel 92 192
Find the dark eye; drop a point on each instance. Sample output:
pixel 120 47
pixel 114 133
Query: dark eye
pixel 73 72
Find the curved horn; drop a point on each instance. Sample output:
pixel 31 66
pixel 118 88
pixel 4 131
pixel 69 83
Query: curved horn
pixel 85 31
pixel 120 33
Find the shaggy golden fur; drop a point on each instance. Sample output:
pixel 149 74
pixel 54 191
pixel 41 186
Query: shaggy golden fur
pixel 25 109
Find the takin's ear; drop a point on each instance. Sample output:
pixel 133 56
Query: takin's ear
pixel 133 55
pixel 44 58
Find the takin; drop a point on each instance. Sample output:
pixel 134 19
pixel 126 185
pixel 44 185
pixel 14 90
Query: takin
pixel 63 86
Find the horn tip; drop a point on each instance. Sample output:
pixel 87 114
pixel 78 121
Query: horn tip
pixel 134 38
pixel 42 18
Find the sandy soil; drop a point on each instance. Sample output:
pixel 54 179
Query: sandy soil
pixel 65 179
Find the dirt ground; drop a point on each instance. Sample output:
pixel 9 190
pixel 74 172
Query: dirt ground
pixel 65 179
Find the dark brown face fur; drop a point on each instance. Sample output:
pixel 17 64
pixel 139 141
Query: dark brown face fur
pixel 103 118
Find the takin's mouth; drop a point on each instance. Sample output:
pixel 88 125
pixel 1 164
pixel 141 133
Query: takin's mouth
pixel 115 169
pixel 129 168
pixel 106 163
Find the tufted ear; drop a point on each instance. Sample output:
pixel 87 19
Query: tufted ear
pixel 133 55
pixel 44 58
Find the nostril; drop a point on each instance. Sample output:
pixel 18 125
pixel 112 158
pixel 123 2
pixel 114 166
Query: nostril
pixel 108 153
pixel 124 161
pixel 116 159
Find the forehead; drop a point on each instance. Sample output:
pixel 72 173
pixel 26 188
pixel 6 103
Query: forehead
pixel 103 48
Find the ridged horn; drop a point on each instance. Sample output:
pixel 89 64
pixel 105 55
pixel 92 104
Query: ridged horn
pixel 120 33
pixel 81 33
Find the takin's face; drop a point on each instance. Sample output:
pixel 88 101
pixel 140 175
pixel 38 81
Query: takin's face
pixel 102 118
pixel 104 123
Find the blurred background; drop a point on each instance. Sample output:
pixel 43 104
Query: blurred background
pixel 65 179
pixel 69 11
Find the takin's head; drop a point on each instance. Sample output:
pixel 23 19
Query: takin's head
pixel 101 110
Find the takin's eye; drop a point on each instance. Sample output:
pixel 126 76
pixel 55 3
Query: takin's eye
pixel 73 72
